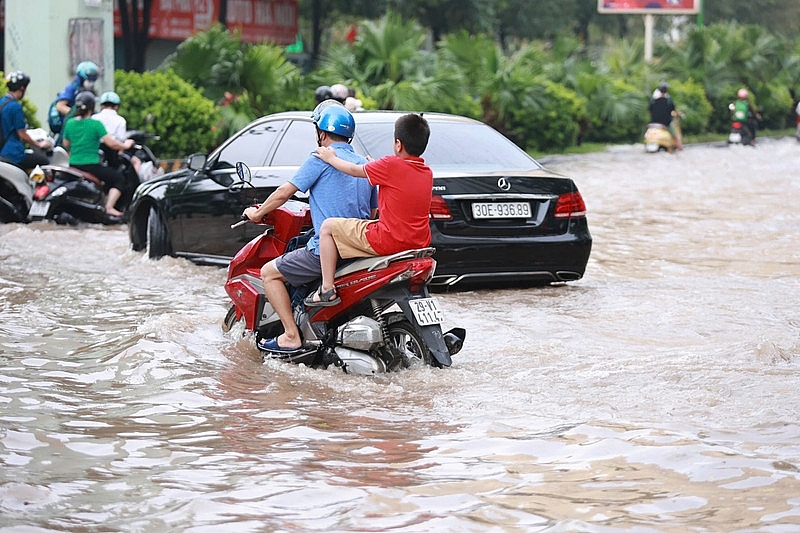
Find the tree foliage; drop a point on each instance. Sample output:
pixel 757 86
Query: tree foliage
pixel 164 104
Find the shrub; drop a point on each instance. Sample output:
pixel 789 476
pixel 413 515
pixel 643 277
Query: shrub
pixel 615 111
pixel 690 99
pixel 164 104
pixel 547 117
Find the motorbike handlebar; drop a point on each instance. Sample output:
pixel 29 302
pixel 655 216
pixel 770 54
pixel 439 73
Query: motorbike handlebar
pixel 244 220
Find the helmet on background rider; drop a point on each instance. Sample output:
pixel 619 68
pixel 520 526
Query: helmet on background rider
pixel 87 70
pixel 332 117
pixel 339 92
pixel 322 93
pixel 17 80
pixel 663 87
pixel 742 94
pixel 84 101
pixel 109 97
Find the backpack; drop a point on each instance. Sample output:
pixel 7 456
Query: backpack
pixel 55 119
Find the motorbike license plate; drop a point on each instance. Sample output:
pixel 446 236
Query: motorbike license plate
pixel 39 209
pixel 501 210
pixel 426 311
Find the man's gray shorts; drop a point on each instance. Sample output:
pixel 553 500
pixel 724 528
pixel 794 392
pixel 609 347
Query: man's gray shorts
pixel 299 266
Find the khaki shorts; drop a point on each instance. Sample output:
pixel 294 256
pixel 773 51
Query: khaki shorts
pixel 350 236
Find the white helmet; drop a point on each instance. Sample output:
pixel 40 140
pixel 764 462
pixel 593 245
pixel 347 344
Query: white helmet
pixel 339 92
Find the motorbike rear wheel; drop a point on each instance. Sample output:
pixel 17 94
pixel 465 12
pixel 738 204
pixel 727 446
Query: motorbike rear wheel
pixel 405 338
pixel 13 207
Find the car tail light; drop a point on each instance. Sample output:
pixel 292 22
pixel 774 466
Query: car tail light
pixel 439 209
pixel 570 205
pixel 41 192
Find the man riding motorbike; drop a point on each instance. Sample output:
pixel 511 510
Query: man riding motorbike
pixel 14 129
pixel 742 112
pixel 662 111
pixel 331 194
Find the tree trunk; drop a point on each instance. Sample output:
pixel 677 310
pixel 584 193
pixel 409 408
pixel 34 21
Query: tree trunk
pixel 135 22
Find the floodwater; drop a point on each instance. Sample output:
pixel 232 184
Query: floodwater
pixel 657 394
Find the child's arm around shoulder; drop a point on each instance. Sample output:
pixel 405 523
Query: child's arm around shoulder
pixel 328 154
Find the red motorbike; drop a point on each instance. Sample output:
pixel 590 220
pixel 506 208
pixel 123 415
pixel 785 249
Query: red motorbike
pixel 386 320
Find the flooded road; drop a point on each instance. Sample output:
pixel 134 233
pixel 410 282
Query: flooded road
pixel 658 393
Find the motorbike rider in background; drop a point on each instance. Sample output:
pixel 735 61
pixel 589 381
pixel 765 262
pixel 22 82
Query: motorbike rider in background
pixel 322 93
pixel 85 76
pixel 116 126
pixel 14 128
pixel 662 110
pixel 331 194
pixel 742 111
pixel 82 137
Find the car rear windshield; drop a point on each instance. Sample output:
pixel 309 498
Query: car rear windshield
pixel 454 146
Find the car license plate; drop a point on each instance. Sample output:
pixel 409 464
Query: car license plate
pixel 501 210
pixel 426 311
pixel 39 209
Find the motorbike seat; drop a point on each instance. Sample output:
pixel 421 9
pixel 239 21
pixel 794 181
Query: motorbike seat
pixel 382 261
pixel 75 172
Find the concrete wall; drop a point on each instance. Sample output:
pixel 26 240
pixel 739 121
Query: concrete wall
pixel 38 41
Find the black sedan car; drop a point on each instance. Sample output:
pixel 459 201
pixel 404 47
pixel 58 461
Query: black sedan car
pixel 496 214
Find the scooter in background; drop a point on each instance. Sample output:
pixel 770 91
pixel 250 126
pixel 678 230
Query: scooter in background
pixel 16 187
pixel 68 195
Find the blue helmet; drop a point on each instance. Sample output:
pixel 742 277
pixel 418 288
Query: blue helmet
pixel 87 71
pixel 109 97
pixel 332 117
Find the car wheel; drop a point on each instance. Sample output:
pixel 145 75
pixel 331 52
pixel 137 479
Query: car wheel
pixel 405 338
pixel 157 240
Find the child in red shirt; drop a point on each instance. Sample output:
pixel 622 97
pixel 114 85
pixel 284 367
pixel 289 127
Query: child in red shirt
pixel 404 200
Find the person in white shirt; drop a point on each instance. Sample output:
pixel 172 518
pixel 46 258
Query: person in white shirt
pixel 115 124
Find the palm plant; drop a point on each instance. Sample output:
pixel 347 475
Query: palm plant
pixel 388 62
pixel 247 80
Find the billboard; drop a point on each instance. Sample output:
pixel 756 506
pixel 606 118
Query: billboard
pixel 653 7
pixel 258 20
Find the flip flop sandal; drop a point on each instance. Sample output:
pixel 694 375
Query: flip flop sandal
pixel 271 346
pixel 326 299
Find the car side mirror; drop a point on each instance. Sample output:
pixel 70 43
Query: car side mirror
pixel 196 161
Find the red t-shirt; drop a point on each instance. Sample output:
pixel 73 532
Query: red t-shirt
pixel 404 203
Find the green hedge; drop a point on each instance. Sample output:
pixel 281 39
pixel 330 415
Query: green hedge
pixel 164 104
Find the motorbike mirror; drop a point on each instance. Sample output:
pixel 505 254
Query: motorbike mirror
pixel 243 171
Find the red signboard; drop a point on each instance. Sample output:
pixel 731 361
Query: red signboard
pixel 656 7
pixel 259 21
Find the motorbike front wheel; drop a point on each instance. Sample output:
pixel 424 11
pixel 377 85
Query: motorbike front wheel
pixel 230 320
pixel 405 338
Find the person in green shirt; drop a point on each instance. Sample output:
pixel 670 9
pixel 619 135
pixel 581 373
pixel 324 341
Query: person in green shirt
pixel 82 137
